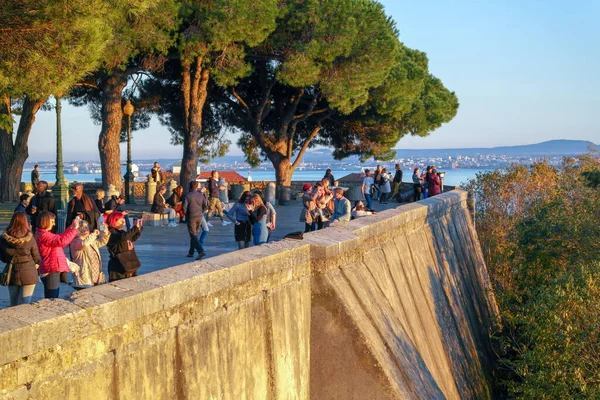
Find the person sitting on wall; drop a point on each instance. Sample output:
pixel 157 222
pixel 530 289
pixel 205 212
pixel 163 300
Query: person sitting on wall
pixel 341 207
pixel 160 206
pixel 176 202
pixel 359 210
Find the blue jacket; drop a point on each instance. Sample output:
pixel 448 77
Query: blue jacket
pixel 341 209
pixel 194 205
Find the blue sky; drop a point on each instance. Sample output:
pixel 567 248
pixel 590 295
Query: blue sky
pixel 524 72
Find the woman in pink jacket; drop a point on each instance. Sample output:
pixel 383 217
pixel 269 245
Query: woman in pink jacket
pixel 53 260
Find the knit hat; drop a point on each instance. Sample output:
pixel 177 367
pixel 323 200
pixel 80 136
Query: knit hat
pixel 306 187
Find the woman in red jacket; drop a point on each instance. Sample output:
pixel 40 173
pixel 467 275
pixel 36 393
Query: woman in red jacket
pixel 434 183
pixel 53 260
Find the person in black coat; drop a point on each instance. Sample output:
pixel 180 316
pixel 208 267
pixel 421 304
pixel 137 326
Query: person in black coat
pixel 17 245
pixel 123 262
pixel 42 201
pixel 330 178
pixel 160 206
pixel 83 206
pixel 397 183
pixel 194 205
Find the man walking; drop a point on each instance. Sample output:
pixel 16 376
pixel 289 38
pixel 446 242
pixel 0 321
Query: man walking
pixel 214 202
pixel 194 205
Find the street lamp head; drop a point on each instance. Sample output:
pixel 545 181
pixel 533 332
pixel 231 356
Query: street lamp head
pixel 128 108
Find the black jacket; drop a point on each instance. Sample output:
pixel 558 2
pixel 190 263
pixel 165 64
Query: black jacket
pixel 24 254
pixel 194 205
pixel 43 202
pixel 398 176
pixel 90 212
pixel 158 205
pixel 122 242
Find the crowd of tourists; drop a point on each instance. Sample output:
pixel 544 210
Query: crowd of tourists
pixel 33 250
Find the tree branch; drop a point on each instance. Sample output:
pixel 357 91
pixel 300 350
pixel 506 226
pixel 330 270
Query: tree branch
pixel 305 145
pixel 242 102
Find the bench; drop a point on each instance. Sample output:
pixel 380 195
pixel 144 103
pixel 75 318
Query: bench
pixel 154 219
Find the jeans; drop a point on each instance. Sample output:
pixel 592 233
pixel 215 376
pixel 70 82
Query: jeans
pixel 193 226
pixel 204 234
pixel 20 294
pixel 51 285
pixel 369 201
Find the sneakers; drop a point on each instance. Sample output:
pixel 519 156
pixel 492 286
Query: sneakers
pixel 200 256
pixel 189 255
pixel 209 224
pixel 225 223
pixel 172 225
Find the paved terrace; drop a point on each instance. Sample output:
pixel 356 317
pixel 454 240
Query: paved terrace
pixel 161 247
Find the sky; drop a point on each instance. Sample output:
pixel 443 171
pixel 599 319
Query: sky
pixel 524 72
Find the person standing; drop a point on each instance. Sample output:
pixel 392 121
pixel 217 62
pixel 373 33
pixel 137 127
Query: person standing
pixel 194 205
pixel 258 219
pixel 434 183
pixel 160 206
pixel 85 253
pixel 329 177
pixel 83 206
pixel 53 260
pixel 35 176
pixel 100 200
pixel 367 188
pixel 417 184
pixel 240 215
pixel 214 202
pixel 114 204
pixel 42 201
pixel 23 203
pixel 271 214
pixel 156 174
pixel 341 208
pixel 123 262
pixel 308 206
pixel 397 183
pixel 17 245
pixel 376 182
pixel 384 186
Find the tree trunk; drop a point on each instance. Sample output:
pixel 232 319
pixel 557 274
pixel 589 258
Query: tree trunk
pixel 14 155
pixel 194 85
pixel 283 169
pixel 110 134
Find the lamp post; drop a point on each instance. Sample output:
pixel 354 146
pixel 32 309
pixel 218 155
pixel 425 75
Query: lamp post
pixel 128 110
pixel 61 187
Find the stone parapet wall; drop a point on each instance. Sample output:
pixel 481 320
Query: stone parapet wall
pixel 397 305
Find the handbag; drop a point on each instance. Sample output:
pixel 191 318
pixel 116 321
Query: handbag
pixel 6 274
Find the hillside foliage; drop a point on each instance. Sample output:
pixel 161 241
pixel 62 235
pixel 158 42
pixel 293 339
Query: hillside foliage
pixel 539 231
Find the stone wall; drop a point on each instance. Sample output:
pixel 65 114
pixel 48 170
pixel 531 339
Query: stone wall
pixel 392 306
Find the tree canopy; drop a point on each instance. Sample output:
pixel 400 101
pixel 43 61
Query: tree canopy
pixel 333 73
